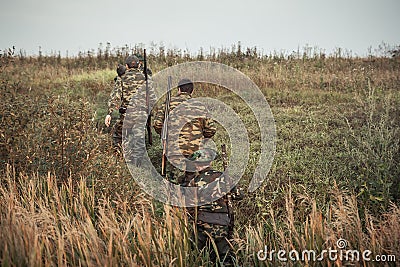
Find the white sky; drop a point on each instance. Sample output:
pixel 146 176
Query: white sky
pixel 279 25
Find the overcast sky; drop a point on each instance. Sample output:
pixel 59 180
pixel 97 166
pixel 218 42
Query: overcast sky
pixel 270 25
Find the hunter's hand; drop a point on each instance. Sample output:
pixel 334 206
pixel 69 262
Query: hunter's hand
pixel 107 120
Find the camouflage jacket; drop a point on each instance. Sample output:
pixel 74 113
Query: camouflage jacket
pixel 214 212
pixel 192 134
pixel 125 88
pixel 115 97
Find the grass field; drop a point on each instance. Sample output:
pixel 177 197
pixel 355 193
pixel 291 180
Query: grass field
pixel 65 199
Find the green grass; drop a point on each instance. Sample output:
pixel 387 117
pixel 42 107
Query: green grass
pixel 65 199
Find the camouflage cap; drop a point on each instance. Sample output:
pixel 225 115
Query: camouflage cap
pixel 203 155
pixel 121 70
pixel 184 81
pixel 131 59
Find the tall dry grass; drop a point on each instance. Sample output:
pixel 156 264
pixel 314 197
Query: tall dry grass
pixel 45 224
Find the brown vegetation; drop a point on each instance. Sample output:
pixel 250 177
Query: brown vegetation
pixel 65 199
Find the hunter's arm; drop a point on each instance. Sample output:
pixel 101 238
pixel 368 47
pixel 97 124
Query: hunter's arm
pixel 159 119
pixel 115 97
pixel 209 128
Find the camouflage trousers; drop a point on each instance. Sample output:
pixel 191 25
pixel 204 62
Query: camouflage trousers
pixel 134 136
pixel 117 134
pixel 219 234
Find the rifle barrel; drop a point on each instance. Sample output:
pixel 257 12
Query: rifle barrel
pixel 224 157
pixel 164 133
pixel 148 123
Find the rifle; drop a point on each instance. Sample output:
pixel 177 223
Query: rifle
pixel 228 194
pixel 164 133
pixel 148 123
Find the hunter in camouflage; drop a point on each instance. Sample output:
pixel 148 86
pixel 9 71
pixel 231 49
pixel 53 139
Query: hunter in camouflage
pixel 129 90
pixel 191 136
pixel 115 96
pixel 213 220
